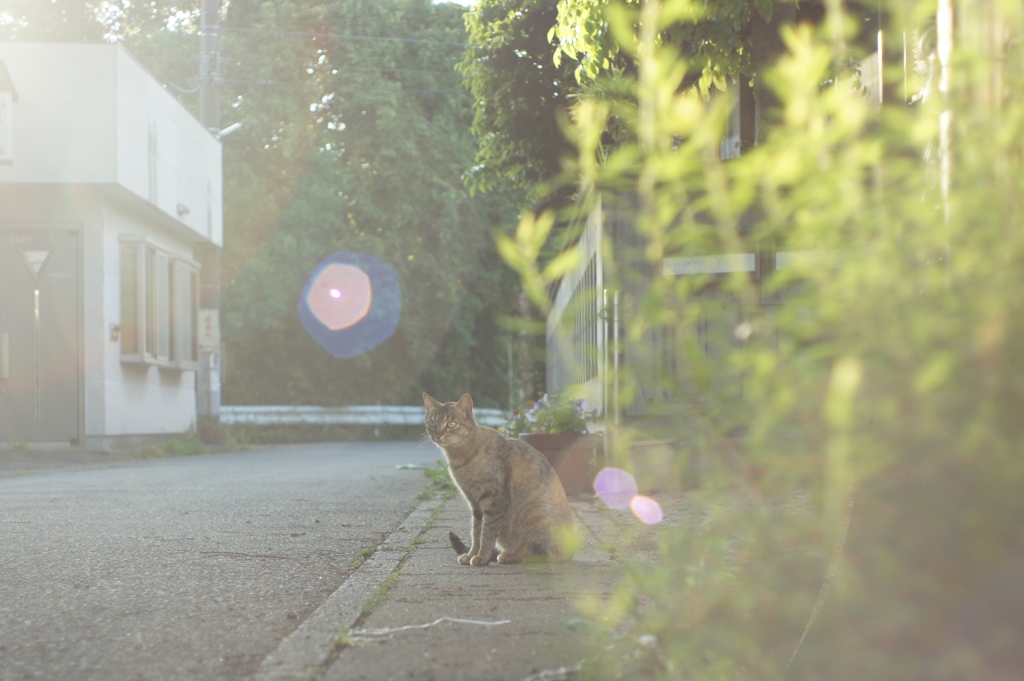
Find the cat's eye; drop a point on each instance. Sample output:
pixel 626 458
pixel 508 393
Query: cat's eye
pixel 452 424
pixel 431 422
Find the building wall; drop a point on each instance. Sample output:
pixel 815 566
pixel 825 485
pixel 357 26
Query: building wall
pixel 100 147
pixel 91 114
pixel 118 399
pixel 137 399
pixel 164 155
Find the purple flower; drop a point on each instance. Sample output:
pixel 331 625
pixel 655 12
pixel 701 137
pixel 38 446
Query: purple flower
pixel 581 407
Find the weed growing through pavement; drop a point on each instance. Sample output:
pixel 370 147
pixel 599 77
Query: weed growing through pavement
pixel 380 594
pixel 362 556
pixel 440 478
pixel 344 638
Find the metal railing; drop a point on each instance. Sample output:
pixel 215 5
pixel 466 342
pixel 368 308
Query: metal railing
pixel 577 326
pixel 363 415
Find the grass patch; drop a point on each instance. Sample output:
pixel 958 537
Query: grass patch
pixel 184 445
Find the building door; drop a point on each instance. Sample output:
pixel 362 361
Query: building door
pixel 40 371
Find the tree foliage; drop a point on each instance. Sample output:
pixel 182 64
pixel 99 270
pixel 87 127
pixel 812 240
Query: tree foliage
pixel 868 525
pixel 357 107
pixel 719 39
pixel 518 95
pixel 50 21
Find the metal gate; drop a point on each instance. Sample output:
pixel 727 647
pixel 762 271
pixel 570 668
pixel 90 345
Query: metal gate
pixel 40 370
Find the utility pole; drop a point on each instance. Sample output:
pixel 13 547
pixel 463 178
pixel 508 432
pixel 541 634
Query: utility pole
pixel 208 255
pixel 209 48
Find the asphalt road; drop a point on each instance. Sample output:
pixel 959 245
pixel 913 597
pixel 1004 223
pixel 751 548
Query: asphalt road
pixel 187 568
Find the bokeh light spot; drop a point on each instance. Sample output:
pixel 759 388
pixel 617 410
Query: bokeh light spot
pixel 325 299
pixel 646 509
pixel 615 487
pixel 351 303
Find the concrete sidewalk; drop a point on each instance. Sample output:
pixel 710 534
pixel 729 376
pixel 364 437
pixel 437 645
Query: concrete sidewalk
pixel 430 618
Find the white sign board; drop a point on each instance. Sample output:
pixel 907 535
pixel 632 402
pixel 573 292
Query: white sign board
pixel 209 330
pixel 709 264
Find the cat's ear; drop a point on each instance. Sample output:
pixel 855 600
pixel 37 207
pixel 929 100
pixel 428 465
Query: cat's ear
pixel 429 402
pixel 465 405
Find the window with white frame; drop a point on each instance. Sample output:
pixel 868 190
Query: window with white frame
pixel 159 303
pixel 184 313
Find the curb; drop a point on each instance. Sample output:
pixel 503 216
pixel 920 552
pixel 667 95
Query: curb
pixel 308 651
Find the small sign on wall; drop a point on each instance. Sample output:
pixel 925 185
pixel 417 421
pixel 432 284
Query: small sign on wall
pixel 709 264
pixel 209 330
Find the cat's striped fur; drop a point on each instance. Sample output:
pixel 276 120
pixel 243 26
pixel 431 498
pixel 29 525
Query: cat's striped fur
pixel 519 509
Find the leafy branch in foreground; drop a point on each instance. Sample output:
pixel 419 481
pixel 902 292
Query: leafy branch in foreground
pixel 880 386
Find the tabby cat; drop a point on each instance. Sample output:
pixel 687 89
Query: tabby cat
pixel 518 504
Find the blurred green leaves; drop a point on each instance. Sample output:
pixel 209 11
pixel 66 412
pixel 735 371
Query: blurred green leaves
pixel 878 360
pixel 523 251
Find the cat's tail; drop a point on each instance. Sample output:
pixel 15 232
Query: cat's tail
pixel 457 544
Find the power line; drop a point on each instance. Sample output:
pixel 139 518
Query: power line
pixel 343 36
pixel 299 83
pixel 230 61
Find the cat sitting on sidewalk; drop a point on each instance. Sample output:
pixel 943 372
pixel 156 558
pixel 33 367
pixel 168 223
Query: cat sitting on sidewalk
pixel 519 508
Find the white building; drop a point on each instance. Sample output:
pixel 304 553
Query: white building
pixel 108 189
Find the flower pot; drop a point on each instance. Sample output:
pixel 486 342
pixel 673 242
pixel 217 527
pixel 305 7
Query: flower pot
pixel 572 456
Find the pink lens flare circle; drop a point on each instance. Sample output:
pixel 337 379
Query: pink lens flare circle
pixel 615 487
pixel 646 509
pixel 340 296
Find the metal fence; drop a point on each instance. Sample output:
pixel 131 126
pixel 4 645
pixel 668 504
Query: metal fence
pixel 670 364
pixel 577 325
pixel 364 415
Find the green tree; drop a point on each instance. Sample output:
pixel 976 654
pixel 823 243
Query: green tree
pixel 357 107
pixel 519 94
pixel 161 33
pixel 719 40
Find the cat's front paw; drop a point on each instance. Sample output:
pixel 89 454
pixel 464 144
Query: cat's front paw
pixel 464 559
pixel 477 561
